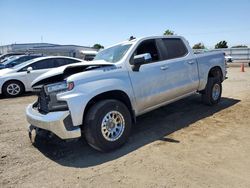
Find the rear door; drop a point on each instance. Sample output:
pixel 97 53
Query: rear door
pixel 182 73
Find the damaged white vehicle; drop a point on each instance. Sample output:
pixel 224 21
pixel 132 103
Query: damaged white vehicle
pixel 101 99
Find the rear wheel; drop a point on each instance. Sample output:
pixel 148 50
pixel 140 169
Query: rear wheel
pixel 107 125
pixel 212 93
pixel 13 88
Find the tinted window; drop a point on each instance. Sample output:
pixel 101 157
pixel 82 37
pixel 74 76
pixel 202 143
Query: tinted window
pixel 89 57
pixel 50 63
pixel 63 61
pixel 43 64
pixel 70 61
pixel 148 46
pixel 174 48
pixel 60 62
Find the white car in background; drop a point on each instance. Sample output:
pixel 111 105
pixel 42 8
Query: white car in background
pixel 17 80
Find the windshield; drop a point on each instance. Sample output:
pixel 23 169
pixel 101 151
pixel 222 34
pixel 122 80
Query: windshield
pixel 113 54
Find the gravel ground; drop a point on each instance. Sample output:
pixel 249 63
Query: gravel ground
pixel 185 144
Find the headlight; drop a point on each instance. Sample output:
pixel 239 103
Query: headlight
pixel 70 86
pixel 61 86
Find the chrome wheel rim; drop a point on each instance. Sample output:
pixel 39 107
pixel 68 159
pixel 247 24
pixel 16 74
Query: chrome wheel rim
pixel 113 125
pixel 13 89
pixel 216 92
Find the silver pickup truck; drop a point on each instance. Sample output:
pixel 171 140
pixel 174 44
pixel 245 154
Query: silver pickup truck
pixel 101 99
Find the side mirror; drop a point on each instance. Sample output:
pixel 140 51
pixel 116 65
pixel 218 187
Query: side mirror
pixel 29 69
pixel 140 60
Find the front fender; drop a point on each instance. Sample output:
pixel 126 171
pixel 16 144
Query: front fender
pixel 78 98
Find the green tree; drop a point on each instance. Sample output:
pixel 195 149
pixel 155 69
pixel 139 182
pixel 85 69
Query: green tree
pixel 98 46
pixel 168 32
pixel 221 44
pixel 199 46
pixel 240 46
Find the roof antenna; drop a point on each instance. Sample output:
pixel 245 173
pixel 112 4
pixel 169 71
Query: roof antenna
pixel 132 38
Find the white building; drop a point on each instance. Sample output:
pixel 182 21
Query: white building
pixel 82 52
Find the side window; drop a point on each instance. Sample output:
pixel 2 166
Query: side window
pixel 148 46
pixel 89 57
pixel 70 61
pixel 43 64
pixel 174 48
pixel 61 61
pixel 49 63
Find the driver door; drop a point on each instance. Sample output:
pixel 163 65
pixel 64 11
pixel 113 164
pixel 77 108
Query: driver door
pixel 149 83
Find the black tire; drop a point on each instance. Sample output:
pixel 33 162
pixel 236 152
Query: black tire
pixel 207 94
pixel 7 92
pixel 93 125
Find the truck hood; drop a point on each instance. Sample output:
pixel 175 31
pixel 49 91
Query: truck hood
pixel 60 73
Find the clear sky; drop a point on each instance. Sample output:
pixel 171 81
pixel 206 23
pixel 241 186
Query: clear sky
pixel 86 22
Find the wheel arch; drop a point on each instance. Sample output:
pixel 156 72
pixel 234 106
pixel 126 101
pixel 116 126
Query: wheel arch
pixel 114 94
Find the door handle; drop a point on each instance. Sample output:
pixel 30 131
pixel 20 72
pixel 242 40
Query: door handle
pixel 190 62
pixel 164 67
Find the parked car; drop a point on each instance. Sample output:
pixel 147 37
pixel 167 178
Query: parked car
pixel 5 56
pixel 101 99
pixel 16 80
pixel 16 60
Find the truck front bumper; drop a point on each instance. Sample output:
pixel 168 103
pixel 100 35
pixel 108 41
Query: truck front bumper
pixel 59 123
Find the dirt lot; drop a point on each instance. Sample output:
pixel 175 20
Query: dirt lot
pixel 185 144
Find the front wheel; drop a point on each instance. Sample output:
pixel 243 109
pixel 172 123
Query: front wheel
pixel 13 88
pixel 212 93
pixel 107 125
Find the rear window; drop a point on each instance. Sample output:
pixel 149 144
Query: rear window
pixel 43 64
pixel 89 57
pixel 174 48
